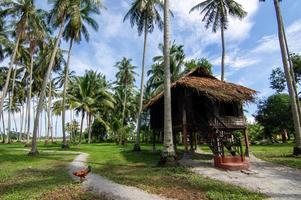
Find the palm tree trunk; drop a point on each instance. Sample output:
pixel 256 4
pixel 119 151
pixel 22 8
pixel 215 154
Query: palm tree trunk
pixel 9 121
pixel 56 127
pixel 51 128
pixel 223 43
pixel 65 145
pixel 15 122
pixel 291 66
pixel 29 97
pixel 46 124
pixel 296 117
pixel 22 121
pixel 49 125
pixel 81 127
pixel 3 125
pixel 11 104
pixel 124 104
pixel 168 153
pixel 89 127
pixel 25 118
pixel 5 88
pixel 34 150
pixel 137 144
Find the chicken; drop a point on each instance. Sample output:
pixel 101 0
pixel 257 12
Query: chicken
pixel 82 173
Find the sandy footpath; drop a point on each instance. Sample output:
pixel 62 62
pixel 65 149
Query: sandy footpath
pixel 107 189
pixel 278 182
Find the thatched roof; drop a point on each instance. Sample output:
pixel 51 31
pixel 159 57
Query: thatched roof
pixel 205 84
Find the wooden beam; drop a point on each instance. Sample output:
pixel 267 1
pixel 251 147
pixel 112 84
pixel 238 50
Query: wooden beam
pixel 184 124
pixel 246 143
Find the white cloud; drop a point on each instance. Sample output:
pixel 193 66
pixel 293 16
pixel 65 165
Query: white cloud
pixel 270 43
pixel 238 29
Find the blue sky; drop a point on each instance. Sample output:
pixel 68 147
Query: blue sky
pixel 252 44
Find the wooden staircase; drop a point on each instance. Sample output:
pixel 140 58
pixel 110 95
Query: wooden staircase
pixel 222 141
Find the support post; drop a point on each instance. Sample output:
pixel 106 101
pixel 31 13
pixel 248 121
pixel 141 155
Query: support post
pixel 191 141
pixel 184 124
pixel 154 141
pixel 174 136
pixel 246 142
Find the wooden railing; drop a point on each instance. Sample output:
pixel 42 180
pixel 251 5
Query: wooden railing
pixel 228 121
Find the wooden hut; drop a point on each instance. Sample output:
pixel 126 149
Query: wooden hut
pixel 205 107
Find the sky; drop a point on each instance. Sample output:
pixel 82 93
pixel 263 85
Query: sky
pixel 252 47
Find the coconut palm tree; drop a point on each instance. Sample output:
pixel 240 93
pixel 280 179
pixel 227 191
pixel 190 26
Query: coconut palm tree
pixel 87 95
pixel 57 18
pixel 168 153
pixel 4 40
pixel 145 15
pixel 289 79
pixel 57 111
pixel 155 84
pixel 125 79
pixel 216 14
pixel 59 13
pixel 80 16
pixel 36 35
pixel 24 11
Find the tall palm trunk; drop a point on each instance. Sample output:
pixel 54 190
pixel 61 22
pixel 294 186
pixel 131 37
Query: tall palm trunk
pixel 89 127
pixel 51 128
pixel 49 125
pixel 3 125
pixel 21 122
pixel 291 66
pixel 5 88
pixel 29 97
pixel 56 127
pixel 81 127
pixel 9 121
pixel 34 150
pixel 124 103
pixel 11 104
pixel 168 153
pixel 289 80
pixel 66 78
pixel 15 122
pixel 223 42
pixel 137 144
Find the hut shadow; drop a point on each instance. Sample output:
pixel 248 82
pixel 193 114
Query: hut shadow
pixel 197 159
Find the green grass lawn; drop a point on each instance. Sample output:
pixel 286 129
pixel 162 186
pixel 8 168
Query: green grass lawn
pixel 123 166
pixel 44 177
pixel 277 153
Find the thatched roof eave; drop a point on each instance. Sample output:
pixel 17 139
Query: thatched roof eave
pixel 213 89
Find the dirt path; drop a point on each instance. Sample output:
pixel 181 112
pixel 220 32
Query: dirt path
pixel 107 189
pixel 278 182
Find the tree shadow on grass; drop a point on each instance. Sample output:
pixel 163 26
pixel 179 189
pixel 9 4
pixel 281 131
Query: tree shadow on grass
pixel 28 181
pixel 23 157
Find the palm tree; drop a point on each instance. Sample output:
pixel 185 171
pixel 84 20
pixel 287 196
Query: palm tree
pixel 155 84
pixel 168 154
pixel 3 39
pixel 145 15
pixel 87 94
pixel 125 80
pixel 24 11
pixel 80 14
pixel 58 15
pixel 216 14
pixel 289 79
pixel 57 111
pixel 35 35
